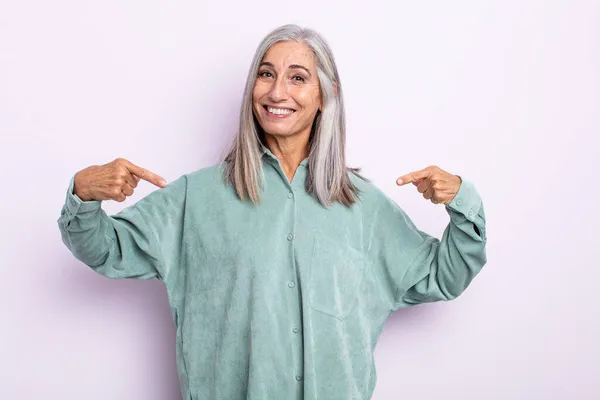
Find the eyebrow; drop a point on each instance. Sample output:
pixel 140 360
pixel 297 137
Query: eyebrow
pixel 292 66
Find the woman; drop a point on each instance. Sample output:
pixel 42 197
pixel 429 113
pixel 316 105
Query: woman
pixel 281 264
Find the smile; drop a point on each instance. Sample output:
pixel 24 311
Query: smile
pixel 279 112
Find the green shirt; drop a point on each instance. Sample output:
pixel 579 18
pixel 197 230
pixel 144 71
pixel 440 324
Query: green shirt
pixel 284 300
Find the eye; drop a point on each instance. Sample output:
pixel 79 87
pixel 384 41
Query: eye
pixel 265 74
pixel 298 78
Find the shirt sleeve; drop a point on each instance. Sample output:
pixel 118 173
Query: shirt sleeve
pixel 414 267
pixel 142 241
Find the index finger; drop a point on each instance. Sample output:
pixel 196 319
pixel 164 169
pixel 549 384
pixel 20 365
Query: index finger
pixel 413 176
pixel 146 175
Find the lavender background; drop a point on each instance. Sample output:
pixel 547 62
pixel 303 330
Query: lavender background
pixel 505 93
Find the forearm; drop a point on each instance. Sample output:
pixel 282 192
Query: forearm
pixel 444 268
pixel 112 246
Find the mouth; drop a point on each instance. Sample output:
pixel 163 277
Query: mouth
pixel 277 112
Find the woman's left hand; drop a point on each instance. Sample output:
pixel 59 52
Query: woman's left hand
pixel 436 184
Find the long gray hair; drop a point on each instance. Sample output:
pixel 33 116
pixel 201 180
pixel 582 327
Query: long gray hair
pixel 327 176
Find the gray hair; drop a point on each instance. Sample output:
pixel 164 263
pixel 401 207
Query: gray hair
pixel 328 177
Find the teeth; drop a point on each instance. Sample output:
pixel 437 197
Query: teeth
pixel 279 111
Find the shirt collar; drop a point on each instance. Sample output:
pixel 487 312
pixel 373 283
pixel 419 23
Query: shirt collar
pixel 268 153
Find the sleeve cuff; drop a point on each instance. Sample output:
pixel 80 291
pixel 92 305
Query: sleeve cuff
pixel 467 201
pixel 75 205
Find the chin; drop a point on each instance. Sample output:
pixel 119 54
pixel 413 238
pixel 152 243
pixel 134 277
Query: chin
pixel 277 132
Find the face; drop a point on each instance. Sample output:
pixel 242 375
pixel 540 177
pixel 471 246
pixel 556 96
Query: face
pixel 286 94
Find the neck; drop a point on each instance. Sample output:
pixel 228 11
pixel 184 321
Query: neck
pixel 290 150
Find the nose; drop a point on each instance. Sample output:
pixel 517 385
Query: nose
pixel 278 90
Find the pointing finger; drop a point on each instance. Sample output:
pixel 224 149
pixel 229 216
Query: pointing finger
pixel 146 175
pixel 413 177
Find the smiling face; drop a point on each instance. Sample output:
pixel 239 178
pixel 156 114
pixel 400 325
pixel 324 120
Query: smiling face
pixel 286 95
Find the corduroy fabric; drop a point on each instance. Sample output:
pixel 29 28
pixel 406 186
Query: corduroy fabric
pixel 284 300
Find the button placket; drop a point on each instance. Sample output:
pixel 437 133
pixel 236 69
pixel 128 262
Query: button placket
pixel 295 321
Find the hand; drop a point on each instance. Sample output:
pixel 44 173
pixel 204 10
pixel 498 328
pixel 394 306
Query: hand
pixel 435 184
pixel 113 181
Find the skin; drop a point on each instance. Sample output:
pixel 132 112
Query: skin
pixel 287 78
pixel 282 85
pixel 434 183
pixel 112 181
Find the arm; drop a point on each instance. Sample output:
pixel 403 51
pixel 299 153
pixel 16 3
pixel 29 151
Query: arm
pixel 141 241
pixel 414 267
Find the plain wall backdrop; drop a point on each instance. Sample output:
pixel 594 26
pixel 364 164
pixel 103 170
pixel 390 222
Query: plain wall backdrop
pixel 504 93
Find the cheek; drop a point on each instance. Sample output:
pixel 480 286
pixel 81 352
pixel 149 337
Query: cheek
pixel 259 91
pixel 309 99
pixel 256 96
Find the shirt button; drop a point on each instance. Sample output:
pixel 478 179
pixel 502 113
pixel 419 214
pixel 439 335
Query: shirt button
pixel 458 202
pixel 290 195
pixel 290 236
pixel 298 377
pixel 296 329
pixel 291 284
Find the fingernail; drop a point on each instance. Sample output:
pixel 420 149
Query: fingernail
pixel 399 181
pixel 163 182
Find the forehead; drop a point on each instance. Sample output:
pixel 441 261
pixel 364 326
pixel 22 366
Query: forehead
pixel 286 53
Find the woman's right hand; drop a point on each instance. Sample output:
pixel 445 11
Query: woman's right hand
pixel 113 181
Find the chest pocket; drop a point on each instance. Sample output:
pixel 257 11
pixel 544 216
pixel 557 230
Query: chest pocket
pixel 336 274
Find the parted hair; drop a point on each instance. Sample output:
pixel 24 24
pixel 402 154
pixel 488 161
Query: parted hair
pixel 328 177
